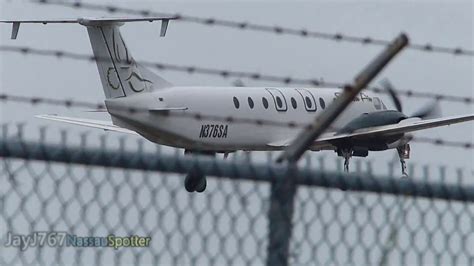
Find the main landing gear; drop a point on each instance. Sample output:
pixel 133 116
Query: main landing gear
pixel 347 153
pixel 404 154
pixel 195 181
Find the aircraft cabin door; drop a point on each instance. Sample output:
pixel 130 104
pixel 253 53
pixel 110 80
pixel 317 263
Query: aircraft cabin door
pixel 279 99
pixel 308 99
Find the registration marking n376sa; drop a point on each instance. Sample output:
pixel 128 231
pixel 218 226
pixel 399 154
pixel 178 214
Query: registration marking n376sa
pixel 213 131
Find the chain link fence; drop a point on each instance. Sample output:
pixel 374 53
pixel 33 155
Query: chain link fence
pixel 253 211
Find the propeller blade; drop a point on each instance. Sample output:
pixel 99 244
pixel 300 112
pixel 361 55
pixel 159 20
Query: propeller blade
pixel 431 110
pixel 238 83
pixel 391 90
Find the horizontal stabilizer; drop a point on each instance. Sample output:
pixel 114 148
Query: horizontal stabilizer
pixel 91 22
pixel 105 125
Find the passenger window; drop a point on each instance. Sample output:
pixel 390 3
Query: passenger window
pixel 293 103
pixel 250 103
pixel 322 103
pixel 265 102
pixel 236 103
pixel 308 100
pixel 279 102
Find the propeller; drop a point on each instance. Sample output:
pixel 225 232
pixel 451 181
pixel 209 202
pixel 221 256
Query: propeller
pixel 430 110
pixel 238 83
pixel 387 85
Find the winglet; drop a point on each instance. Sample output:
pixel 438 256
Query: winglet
pixel 164 27
pixel 15 29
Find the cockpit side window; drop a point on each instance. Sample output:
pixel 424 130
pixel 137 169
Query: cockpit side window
pixel 377 103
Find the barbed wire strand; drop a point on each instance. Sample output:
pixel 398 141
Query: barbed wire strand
pixel 225 73
pixel 99 106
pixel 199 116
pixel 279 30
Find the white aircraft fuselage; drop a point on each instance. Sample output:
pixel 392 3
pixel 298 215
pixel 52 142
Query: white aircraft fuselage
pixel 231 105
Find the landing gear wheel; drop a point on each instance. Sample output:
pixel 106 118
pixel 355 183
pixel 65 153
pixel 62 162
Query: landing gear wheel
pixel 195 182
pixel 189 184
pixel 201 185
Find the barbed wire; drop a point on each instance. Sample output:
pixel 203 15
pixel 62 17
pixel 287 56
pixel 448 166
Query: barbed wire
pixel 225 73
pixel 199 116
pixel 172 67
pixel 196 115
pixel 279 30
pixel 442 142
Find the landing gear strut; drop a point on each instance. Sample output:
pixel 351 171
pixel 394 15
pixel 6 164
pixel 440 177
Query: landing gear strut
pixel 195 180
pixel 347 154
pixel 404 154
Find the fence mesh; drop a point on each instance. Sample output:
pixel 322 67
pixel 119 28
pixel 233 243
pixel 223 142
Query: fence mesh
pixel 235 221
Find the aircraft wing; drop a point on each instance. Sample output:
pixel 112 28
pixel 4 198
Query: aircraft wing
pixel 405 126
pixel 316 146
pixel 105 125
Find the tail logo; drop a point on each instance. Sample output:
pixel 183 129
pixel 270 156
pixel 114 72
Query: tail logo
pixel 112 79
pixel 136 76
pixel 126 65
pixel 115 45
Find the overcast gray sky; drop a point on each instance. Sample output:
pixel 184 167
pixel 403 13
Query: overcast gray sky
pixel 444 23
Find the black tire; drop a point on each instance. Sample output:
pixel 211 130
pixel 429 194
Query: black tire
pixel 189 184
pixel 201 186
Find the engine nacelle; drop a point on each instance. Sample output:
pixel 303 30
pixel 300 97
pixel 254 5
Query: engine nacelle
pixel 361 145
pixel 381 118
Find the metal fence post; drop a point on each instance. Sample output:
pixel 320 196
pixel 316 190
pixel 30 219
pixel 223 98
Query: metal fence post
pixel 280 216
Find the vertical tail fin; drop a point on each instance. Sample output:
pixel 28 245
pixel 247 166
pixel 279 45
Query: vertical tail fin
pixel 120 74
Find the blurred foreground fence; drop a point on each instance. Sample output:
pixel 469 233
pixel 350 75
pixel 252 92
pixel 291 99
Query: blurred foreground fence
pixel 253 212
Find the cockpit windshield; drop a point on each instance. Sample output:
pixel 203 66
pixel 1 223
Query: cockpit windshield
pixel 378 104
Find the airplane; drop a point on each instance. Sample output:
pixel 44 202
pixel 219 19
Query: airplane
pixel 221 126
